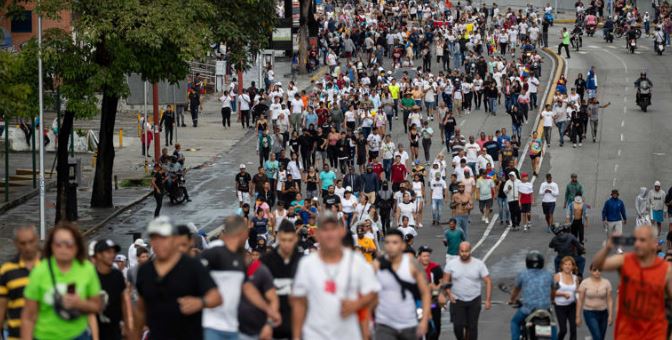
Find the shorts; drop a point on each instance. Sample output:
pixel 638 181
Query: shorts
pixel 525 207
pixel 615 226
pixel 548 207
pixel 373 154
pixel 482 204
pixel 350 125
pixel 430 105
pixel 243 197
pixel 658 216
pixel 415 144
pixel 532 157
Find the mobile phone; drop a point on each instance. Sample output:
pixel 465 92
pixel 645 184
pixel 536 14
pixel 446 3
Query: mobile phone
pixel 623 240
pixel 71 288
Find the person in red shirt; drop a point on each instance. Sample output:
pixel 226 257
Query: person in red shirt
pixel 526 192
pixel 377 167
pixel 399 173
pixel 646 280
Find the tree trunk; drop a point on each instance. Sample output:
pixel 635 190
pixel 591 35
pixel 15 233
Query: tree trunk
pixel 101 197
pixel 62 166
pixel 303 36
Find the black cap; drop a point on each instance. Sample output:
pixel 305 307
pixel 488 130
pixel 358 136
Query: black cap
pixel 424 249
pixel 104 245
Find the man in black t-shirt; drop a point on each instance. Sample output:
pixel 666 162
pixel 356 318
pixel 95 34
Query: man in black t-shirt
pixel 492 148
pixel 173 289
pixel 253 321
pixel 243 180
pixel 282 262
pixel 114 293
pixel 331 199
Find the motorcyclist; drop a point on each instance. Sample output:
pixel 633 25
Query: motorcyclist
pixel 631 35
pixel 658 38
pixel 608 27
pixel 643 85
pixel 566 244
pixel 174 169
pixel 537 288
pixel 577 32
pixel 591 21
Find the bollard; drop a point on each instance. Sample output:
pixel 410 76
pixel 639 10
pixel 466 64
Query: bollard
pixel 116 183
pixel 121 138
pixel 93 159
pixel 139 127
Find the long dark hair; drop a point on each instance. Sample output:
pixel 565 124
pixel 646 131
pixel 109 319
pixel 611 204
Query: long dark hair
pixel 76 235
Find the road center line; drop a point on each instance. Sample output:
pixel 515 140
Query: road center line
pixel 501 238
pixel 623 123
pixel 613 183
pixel 621 137
pixel 619 152
pixel 487 231
pixel 615 167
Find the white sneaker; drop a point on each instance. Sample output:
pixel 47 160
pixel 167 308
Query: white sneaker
pixel 580 144
pixel 526 227
pixel 487 221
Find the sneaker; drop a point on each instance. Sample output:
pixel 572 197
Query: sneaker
pixel 580 144
pixel 487 221
pixel 574 145
pixel 396 117
pixel 501 222
pixel 548 229
pixel 593 139
pixel 419 225
pixel 526 227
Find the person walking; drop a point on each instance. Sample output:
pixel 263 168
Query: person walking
pixel 158 186
pixel 434 275
pixel 596 302
pixel 453 237
pixel 461 205
pixel 572 189
pixel 14 278
pixel 547 118
pixel 656 201
pixel 402 282
pixel 464 277
pixel 227 100
pixel 512 199
pixel 168 123
pixel 642 273
pixel 549 191
pixel 565 36
pixel 577 215
pixel 565 297
pixel 330 286
pixel 613 214
pixel 117 306
pixel 62 289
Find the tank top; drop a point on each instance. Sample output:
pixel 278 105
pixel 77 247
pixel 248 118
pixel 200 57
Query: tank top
pixel 417 187
pixel 396 312
pixel 566 288
pixel 641 300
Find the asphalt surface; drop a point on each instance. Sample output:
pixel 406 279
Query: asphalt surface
pixel 630 153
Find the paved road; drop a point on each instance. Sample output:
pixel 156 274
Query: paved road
pixel 631 152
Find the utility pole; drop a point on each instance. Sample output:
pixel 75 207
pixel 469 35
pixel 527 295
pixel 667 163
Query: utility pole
pixel 157 135
pixel 41 135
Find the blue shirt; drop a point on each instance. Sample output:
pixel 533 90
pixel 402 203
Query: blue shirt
pixel 501 139
pixel 327 178
pixel 536 285
pixel 613 210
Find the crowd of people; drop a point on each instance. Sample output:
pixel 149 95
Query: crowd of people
pixel 323 243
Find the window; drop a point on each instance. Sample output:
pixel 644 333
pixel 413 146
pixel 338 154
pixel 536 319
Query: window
pixel 23 22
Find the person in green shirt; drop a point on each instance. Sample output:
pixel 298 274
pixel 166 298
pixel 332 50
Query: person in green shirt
pixel 573 188
pixel 407 105
pixel 565 42
pixel 76 284
pixel 453 237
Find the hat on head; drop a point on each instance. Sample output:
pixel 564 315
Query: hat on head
pixel 120 258
pixel 243 166
pixel 140 242
pixel 524 174
pixel 161 226
pixel 512 173
pixel 656 184
pixel 348 189
pixel 104 245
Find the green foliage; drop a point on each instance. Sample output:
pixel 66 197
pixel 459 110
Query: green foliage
pixel 245 26
pixel 14 91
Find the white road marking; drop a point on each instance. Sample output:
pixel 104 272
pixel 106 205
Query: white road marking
pixel 622 123
pixel 487 232
pixel 582 52
pixel 592 46
pixel 625 99
pixel 621 137
pixel 625 109
pixel 659 154
pixel 613 183
pixel 615 167
pixel 501 238
pixel 619 152
pixel 612 46
pixel 625 66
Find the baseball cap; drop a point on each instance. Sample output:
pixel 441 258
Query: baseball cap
pixel 512 173
pixel 140 242
pixel 120 258
pixel 243 166
pixel 656 184
pixel 424 249
pixel 104 245
pixel 348 189
pixel 161 226
pixel 524 174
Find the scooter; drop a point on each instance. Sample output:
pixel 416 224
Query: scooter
pixel 643 100
pixel 590 30
pixel 177 192
pixel 609 36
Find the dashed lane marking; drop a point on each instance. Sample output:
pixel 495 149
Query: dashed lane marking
pixel 486 232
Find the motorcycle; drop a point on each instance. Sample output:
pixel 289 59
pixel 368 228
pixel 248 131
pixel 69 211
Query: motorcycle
pixel 609 36
pixel 643 100
pixel 590 30
pixel 538 325
pixel 632 45
pixel 576 39
pixel 177 191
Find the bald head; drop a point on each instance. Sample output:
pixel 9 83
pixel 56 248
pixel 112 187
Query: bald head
pixel 645 240
pixel 465 251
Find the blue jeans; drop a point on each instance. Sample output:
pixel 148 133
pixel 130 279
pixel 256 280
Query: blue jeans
pixel 504 213
pixel 437 203
pixel 492 104
pixel 596 321
pixel 516 129
pixel 517 319
pixel 463 223
pixel 561 130
pixel 213 334
pixel 387 167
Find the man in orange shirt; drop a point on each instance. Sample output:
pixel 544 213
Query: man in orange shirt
pixel 646 280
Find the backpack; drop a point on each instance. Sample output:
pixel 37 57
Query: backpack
pixel 411 287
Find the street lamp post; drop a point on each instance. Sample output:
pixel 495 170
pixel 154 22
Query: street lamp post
pixel 41 135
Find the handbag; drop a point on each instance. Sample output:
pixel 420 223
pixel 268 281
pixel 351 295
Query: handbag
pixel 59 309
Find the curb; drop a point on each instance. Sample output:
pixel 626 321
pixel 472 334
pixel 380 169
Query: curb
pixel 23 199
pixel 559 70
pixel 115 214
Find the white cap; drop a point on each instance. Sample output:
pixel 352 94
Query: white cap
pixel 161 226
pixel 348 188
pixel 243 166
pixel 120 258
pixel 140 242
pixel 512 173
pixel 656 184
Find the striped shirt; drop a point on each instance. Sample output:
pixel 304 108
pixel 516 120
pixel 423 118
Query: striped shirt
pixel 13 278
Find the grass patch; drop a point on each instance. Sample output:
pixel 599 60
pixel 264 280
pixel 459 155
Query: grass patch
pixel 135 182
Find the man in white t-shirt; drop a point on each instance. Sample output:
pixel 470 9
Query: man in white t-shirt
pixel 439 193
pixel 484 190
pixel 548 117
pixel 374 142
pixel 471 150
pixel 330 286
pixel 463 276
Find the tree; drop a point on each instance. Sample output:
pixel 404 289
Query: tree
pixel 245 27
pixel 155 38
